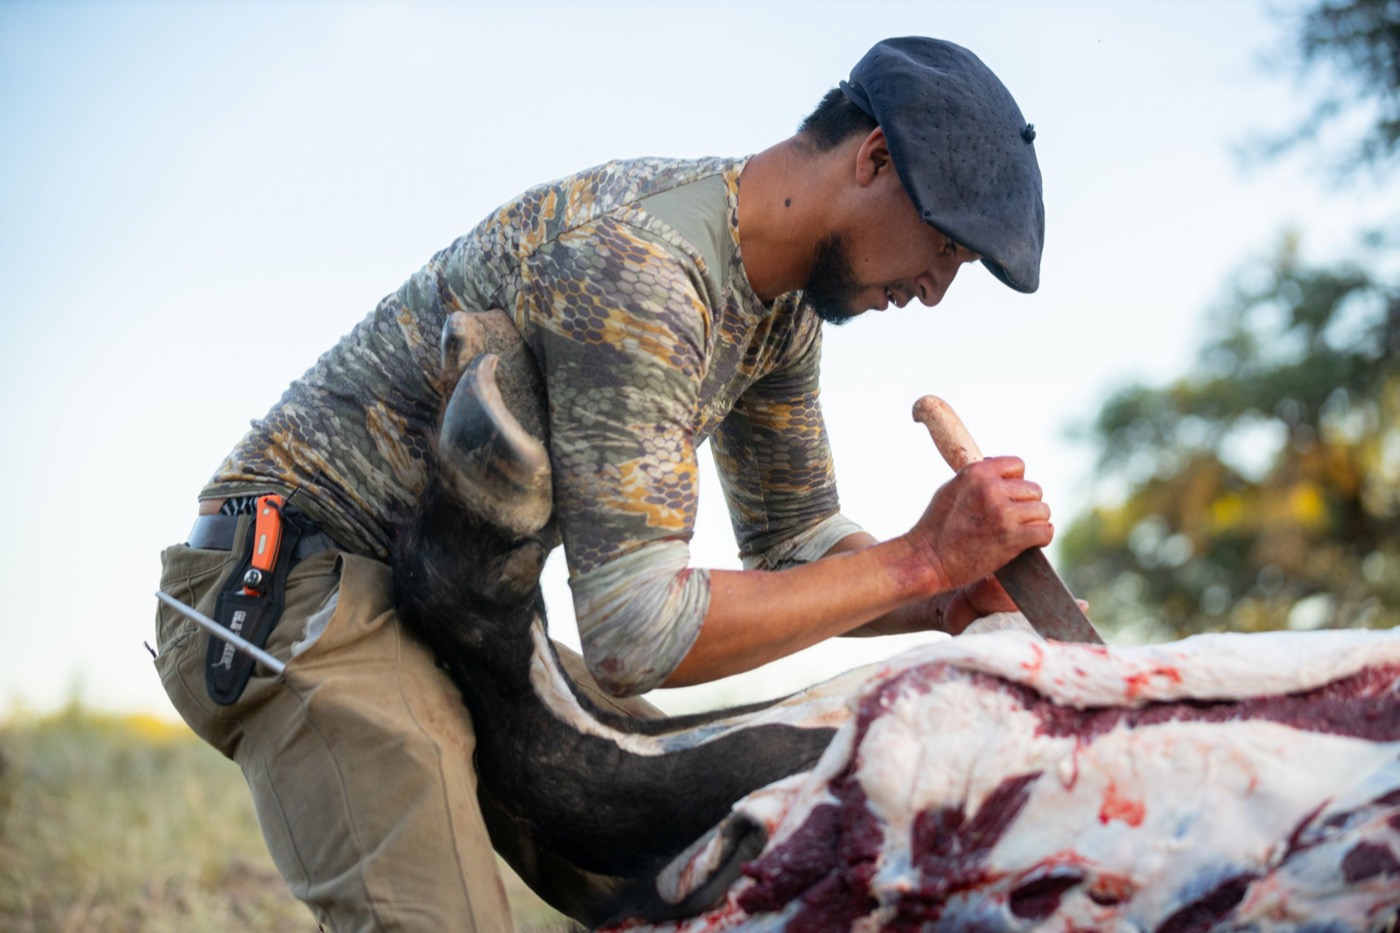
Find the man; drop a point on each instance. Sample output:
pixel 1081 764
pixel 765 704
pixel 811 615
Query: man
pixel 665 303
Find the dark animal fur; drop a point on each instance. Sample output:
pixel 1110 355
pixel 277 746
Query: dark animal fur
pixel 587 823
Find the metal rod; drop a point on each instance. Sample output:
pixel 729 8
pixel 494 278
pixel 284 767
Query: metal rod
pixel 223 632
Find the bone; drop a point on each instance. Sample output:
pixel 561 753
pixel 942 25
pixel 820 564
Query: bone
pixel 949 434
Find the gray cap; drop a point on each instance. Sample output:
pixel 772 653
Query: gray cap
pixel 961 148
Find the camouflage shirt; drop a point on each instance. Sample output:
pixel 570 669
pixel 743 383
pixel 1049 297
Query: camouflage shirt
pixel 627 283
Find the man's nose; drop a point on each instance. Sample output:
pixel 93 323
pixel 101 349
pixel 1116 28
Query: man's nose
pixel 932 287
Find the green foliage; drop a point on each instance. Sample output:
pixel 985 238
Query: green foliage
pixel 1357 44
pixel 1263 486
pixel 1262 489
pixel 129 823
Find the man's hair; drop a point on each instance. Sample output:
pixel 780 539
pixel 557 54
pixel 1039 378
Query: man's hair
pixel 835 119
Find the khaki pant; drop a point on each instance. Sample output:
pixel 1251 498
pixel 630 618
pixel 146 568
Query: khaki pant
pixel 359 761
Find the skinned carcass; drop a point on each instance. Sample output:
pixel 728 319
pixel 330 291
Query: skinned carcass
pixel 989 782
pixel 1004 783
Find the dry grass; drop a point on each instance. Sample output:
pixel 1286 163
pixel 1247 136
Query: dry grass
pixel 128 823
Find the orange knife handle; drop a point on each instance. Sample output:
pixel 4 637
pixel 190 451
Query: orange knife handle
pixel 267 533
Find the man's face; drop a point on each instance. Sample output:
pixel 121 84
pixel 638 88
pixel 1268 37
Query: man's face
pixel 888 256
pixel 831 288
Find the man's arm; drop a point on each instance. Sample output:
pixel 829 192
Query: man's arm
pixel 951 612
pixel 978 521
pixel 622 372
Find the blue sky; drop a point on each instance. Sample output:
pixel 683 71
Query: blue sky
pixel 197 199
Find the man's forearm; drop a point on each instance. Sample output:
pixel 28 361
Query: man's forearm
pixel 759 616
pixel 941 612
pixel 986 515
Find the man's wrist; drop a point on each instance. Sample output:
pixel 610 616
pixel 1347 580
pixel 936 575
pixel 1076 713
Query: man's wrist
pixel 922 567
pixel 957 612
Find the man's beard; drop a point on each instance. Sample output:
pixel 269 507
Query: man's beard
pixel 832 286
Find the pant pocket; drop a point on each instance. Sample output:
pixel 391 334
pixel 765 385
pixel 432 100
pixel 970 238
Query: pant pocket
pixel 343 602
pixel 193 576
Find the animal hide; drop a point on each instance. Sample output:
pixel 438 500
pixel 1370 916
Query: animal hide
pixel 991 782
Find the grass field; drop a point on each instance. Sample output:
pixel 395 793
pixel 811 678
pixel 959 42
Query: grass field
pixel 127 823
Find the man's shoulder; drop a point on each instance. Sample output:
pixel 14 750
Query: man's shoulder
pixel 622 182
pixel 549 210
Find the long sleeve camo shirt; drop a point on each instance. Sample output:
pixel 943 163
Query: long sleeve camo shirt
pixel 627 283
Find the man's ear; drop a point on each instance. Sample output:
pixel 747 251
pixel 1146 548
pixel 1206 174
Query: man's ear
pixel 873 158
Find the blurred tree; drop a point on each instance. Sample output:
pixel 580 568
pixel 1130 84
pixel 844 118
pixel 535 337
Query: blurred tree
pixel 1262 489
pixel 1355 45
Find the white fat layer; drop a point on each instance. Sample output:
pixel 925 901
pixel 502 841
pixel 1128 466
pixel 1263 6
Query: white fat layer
pixel 985 736
pixel 1140 801
pixel 1164 811
pixel 1204 667
pixel 826 705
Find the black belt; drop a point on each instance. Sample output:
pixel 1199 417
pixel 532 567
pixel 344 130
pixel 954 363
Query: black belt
pixel 215 533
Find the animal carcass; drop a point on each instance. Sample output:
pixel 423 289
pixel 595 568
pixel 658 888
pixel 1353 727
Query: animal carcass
pixel 1000 782
pixel 990 782
pixel 588 806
